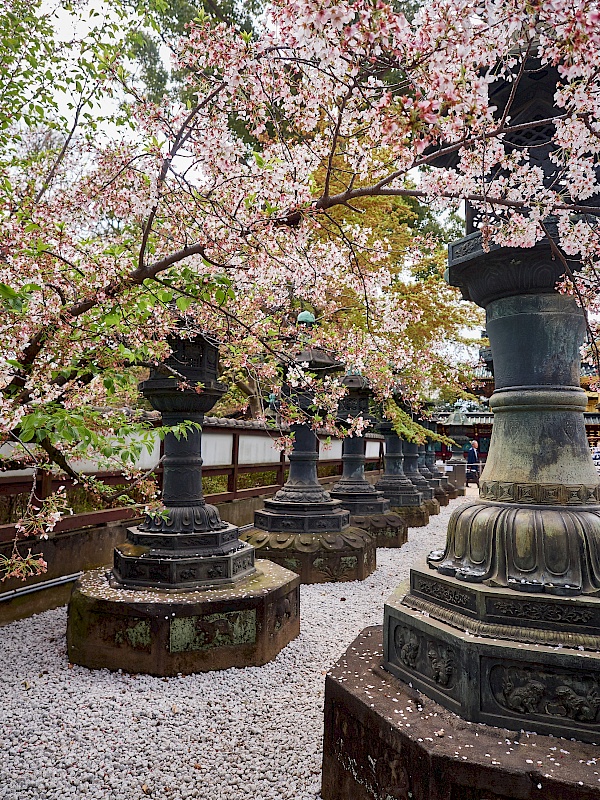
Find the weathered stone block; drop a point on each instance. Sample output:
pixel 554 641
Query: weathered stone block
pixel 386 741
pixel 414 516
pixel 165 633
pixel 432 505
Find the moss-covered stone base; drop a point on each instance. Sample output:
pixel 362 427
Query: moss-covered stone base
pixel 166 633
pixel 432 506
pixel 388 530
pixel 441 496
pixel 414 516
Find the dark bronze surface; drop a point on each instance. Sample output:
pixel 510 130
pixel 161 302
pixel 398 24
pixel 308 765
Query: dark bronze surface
pixel 189 547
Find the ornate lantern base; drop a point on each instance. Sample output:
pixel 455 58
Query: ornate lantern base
pixel 533 657
pixel 175 561
pixel 303 529
pixel 385 740
pixel 413 516
pixel 314 540
pixel 404 499
pixel 388 530
pixel 370 510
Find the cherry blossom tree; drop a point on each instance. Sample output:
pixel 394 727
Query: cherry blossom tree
pixel 252 196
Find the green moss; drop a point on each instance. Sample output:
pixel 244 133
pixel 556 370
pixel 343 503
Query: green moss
pixel 138 636
pixel 213 630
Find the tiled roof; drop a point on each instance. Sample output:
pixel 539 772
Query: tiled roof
pixel 487 417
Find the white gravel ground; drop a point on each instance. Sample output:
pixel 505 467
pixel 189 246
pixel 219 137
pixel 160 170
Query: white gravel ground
pixel 243 734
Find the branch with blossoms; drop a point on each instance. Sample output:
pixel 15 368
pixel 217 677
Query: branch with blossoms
pixel 20 566
pixel 325 76
pixel 270 189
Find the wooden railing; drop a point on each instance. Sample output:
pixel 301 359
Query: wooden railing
pixel 46 483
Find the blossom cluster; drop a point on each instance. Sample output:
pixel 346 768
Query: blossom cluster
pixel 253 193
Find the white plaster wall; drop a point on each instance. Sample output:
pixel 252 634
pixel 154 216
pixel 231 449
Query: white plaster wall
pixel 372 449
pixel 6 450
pixel 146 461
pixel 257 450
pixel 333 452
pixel 217 448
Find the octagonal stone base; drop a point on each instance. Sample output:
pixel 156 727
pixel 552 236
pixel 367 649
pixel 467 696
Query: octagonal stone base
pixel 136 566
pixel 432 506
pixel 165 633
pixel 386 741
pixel 388 530
pixel 492 655
pixel 318 557
pixel 414 516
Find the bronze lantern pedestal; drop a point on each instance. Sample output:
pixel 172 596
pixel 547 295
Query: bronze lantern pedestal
pixel 302 527
pixel 424 467
pixel 448 488
pixel 403 495
pixel 511 606
pixel 368 506
pixel 420 482
pixel 502 626
pixel 184 594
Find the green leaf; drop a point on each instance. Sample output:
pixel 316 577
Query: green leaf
pixel 183 303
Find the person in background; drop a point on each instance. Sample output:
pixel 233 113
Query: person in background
pixel 473 463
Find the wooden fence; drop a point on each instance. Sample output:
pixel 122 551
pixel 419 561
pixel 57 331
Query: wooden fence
pixel 228 450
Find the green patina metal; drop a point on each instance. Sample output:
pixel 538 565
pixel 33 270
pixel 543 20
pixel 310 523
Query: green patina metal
pixel 138 636
pixel 232 628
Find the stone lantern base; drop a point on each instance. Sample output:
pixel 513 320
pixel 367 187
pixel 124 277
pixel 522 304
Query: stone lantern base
pixel 384 739
pixel 441 494
pixel 370 510
pixel 520 660
pixel 405 501
pixel 346 555
pixel 388 530
pixel 449 488
pixel 162 632
pixel 414 516
pixel 432 505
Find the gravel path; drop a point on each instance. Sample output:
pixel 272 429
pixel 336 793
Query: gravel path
pixel 243 734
